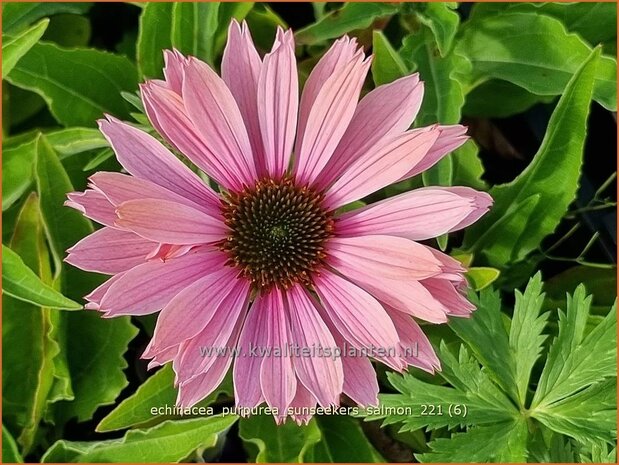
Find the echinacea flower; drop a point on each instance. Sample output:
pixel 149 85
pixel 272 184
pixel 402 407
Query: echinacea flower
pixel 267 265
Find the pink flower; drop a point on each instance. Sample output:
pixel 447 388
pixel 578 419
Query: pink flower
pixel 267 266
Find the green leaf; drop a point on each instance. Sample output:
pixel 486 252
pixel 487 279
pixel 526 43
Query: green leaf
pixel 64 226
pixel 442 20
pixel 194 25
pixel 29 347
pixel 589 414
pixel 601 282
pixel 95 349
pixel 171 441
pixel 525 334
pixel 350 17
pixel 20 282
pixel 15 47
pixel 17 173
pixel 285 443
pixel 575 361
pixel 444 78
pixel 17 16
pixel 534 52
pixel 50 71
pixel 596 22
pixel 342 441
pixel 482 102
pixel 157 391
pixel 228 11
pixel 515 203
pixel 467 167
pixel 480 277
pixel 473 400
pixel 503 442
pixel 387 65
pixel 154 36
pixel 598 452
pixel 10 451
pixel 19 155
pixel 485 334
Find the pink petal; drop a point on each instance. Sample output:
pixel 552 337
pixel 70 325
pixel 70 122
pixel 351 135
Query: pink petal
pixel 329 117
pixel 339 54
pixel 148 288
pixel 445 292
pixel 450 138
pixel 225 314
pixel 162 357
pixel 302 405
pixel 201 386
pixel 321 375
pixel 94 298
pixel 380 167
pixel 145 157
pixel 215 114
pixel 173 71
pixel 360 382
pixel 240 70
pixel 119 188
pixel 167 113
pixel 246 371
pixel 404 294
pixel 109 251
pixel 278 94
pixel 416 347
pixel 383 113
pixel 169 222
pixel 385 256
pixel 357 315
pixel 420 214
pixel 197 303
pixel 94 205
pixel 277 377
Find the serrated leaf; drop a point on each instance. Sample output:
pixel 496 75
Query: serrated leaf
pixel 485 334
pixel 560 152
pixel 342 441
pixel 268 442
pixel 156 392
pixel 575 361
pixel 10 451
pixel 387 65
pixel 479 401
pixel 350 17
pixel 20 282
pixel 525 334
pixel 16 46
pixel 501 443
pixel 535 52
pixel 589 414
pixel 171 441
pixel 50 71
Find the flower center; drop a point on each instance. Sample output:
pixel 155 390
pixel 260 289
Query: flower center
pixel 277 232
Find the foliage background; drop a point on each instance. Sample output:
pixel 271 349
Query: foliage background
pixel 531 377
